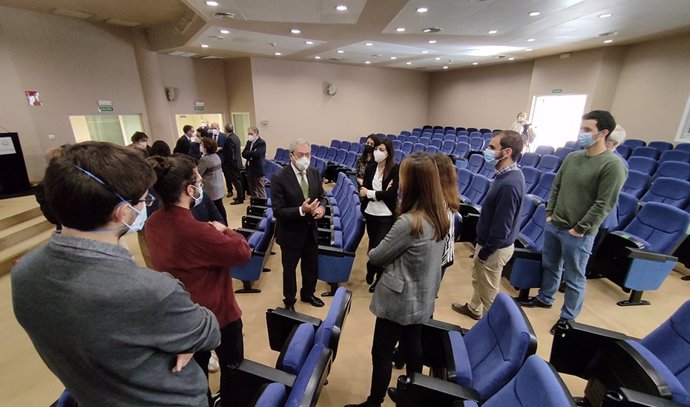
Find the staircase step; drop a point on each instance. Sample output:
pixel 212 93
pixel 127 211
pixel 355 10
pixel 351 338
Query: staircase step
pixel 9 256
pixel 18 233
pixel 20 216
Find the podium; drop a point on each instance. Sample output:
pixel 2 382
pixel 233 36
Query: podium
pixel 13 176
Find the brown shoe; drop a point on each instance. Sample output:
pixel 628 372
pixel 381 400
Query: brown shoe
pixel 465 310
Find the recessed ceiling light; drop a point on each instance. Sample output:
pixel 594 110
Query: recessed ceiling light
pixel 422 9
pixel 341 7
pixel 277 54
pixel 511 59
pixel 493 32
pixel 212 3
pixel 425 52
pixel 204 45
pixel 400 29
pixel 367 62
pixel 529 50
pixel 445 66
pixel 438 58
pixel 317 57
pixel 340 51
pixel 72 13
pixel 225 31
pixel 432 41
pixel 534 13
pixel 605 15
pixel 394 57
pixel 408 63
pixel 309 42
pixel 530 39
pixel 295 31
pixel 431 30
pixel 608 41
pixel 475 63
pixel 369 44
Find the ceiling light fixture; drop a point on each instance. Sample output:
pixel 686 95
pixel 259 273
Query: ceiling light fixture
pixel 394 58
pixel 369 44
pixel 341 7
pixel 432 41
pixel 438 58
pixel 425 52
pixel 367 62
pixel 204 45
pixel 534 13
pixel 422 9
pixel 445 66
pixel 475 63
pixel 605 15
pixel 295 31
pixel 493 32
pixel 608 41
pixel 400 29
pixel 277 54
pixel 408 63
pixel 530 39
pixel 212 3
pixel 529 50
pixel 340 51
pixel 428 30
pixel 511 59
pixel 309 42
pixel 225 31
pixel 317 57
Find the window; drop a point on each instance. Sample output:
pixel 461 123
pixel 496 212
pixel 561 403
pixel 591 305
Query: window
pixel 117 129
pixel 684 128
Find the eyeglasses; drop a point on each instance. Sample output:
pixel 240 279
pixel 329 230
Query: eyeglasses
pixel 148 200
pixel 199 182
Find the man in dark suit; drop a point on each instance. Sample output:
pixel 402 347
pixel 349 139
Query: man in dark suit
pixel 298 202
pixel 255 154
pixel 219 137
pixel 232 164
pixel 184 143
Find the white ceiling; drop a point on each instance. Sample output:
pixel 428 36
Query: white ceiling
pixel 262 27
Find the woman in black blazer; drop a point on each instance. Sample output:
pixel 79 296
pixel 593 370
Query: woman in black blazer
pixel 379 193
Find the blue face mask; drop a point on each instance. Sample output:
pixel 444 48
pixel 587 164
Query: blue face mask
pixel 199 198
pixel 138 222
pixel 585 140
pixel 490 157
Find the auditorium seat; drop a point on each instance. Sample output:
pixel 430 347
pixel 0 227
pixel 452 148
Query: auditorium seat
pixel 572 145
pixel 660 145
pixel 450 137
pixel 413 139
pixel 655 367
pixel 464 138
pixel 432 149
pixel 407 147
pixel 448 147
pixel 638 258
pixel 670 191
pixel 549 163
pixel 332 152
pixel 477 190
pixel 675 155
pixel 634 143
pixel 397 144
pixel 461 150
pixel 626 208
pixel 476 363
pixel 562 152
pixel 642 164
pixel 335 144
pixel 682 147
pixel 65 400
pixel 419 148
pixel 261 242
pixel 648 152
pixel 471 206
pixel 524 269
pixel 475 163
pixel 464 179
pixel 673 169
pixel 637 183
pixel 399 155
pixel 543 187
pixel 425 141
pixel 321 153
pixel 544 150
pixel 489 171
pixel 624 151
pixel 437 142
pixel 532 176
pixel 529 160
pixel 476 143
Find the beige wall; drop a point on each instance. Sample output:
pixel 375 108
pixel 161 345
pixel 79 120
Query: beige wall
pixel 240 90
pixel 653 88
pixel 480 97
pixel 290 96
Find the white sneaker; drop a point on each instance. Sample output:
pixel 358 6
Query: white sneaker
pixel 213 366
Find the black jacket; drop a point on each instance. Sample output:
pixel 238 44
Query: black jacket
pixel 389 196
pixel 256 156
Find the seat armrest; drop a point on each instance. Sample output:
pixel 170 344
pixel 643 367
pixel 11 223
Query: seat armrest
pixel 626 239
pixel 334 251
pixel 419 390
pixel 433 324
pixel 573 349
pixel 281 321
pixel 258 201
pixel 250 376
pixel 645 255
pixel 522 253
pixel 630 398
pixel 245 232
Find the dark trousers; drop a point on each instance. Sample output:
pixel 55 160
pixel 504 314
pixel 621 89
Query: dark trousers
pixel 308 255
pixel 377 228
pixel 221 208
pixel 232 178
pixel 230 354
pixel 386 336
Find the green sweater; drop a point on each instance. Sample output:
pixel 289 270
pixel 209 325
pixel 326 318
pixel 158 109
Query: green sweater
pixel 585 190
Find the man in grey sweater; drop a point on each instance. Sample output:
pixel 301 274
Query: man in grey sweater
pixel 114 333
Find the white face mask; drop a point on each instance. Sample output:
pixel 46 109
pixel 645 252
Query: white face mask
pixel 380 155
pixel 302 163
pixel 215 132
pixel 251 138
pixel 138 222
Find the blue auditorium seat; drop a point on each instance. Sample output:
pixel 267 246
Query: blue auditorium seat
pixel 477 190
pixel 671 191
pixel 637 183
pixel 461 150
pixel 65 400
pixel 532 176
pixel 489 171
pixel 673 169
pixel 403 137
pixel 682 147
pixel 424 140
pixel 475 163
pixel 464 138
pixel 260 241
pixel 638 258
pixel 529 160
pixel 437 142
pixel 648 152
pixel 529 205
pixel 413 139
pixel 478 363
pixel 474 132
pixel 464 179
pixel 314 149
pixel 549 163
pixel 675 155
pixel 562 152
pixel 626 208
pixel 397 144
pixel 624 151
pixel 332 152
pixel 544 150
pixel 335 144
pixel 634 143
pixel 356 148
pixel 660 145
pixel 432 149
pixel 642 164
pixel 450 137
pixel 524 270
pixel 572 145
pixel 448 147
pixel 407 147
pixel 476 143
pixel 543 187
pixel 344 145
pixel 419 147
pixel 323 150
pixel 362 139
pixel 399 155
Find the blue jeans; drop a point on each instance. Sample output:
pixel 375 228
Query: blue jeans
pixel 566 255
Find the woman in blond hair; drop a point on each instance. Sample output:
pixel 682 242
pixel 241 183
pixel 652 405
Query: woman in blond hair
pixel 411 253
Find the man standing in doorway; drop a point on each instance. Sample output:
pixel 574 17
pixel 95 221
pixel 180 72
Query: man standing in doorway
pixel 255 154
pixel 499 222
pixel 298 202
pixel 184 143
pixel 232 164
pixel 584 191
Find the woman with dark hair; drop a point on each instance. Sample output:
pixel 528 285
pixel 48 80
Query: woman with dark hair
pixel 160 148
pixel 366 158
pixel 379 193
pixel 411 254
pixel 199 254
pixel 211 170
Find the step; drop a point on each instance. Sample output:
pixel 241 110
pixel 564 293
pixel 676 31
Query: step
pixel 18 216
pixel 18 233
pixel 9 256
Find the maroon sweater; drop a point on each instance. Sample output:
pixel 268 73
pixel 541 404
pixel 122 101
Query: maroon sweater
pixel 198 255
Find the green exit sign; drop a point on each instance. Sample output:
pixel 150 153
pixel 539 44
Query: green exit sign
pixel 556 90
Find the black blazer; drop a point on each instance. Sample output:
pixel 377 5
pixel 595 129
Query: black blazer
pixel 286 198
pixel 183 146
pixel 389 196
pixel 256 157
pixel 232 152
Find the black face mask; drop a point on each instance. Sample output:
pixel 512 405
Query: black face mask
pixel 368 149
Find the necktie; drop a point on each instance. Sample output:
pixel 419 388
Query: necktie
pixel 303 185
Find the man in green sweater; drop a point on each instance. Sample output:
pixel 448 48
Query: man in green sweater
pixel 585 190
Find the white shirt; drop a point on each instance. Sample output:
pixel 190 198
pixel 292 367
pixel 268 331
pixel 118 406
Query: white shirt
pixel 377 208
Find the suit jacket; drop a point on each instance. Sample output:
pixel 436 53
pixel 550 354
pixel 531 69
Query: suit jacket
pixel 222 139
pixel 232 152
pixel 286 196
pixel 389 196
pixel 255 154
pixel 183 145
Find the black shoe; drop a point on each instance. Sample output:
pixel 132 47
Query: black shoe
pixel 370 275
pixel 393 394
pixel 398 361
pixel 533 302
pixel 372 288
pixel 237 202
pixel 229 194
pixel 562 325
pixel 313 300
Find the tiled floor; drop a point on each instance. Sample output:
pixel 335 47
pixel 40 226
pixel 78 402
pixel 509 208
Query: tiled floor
pixel 25 381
